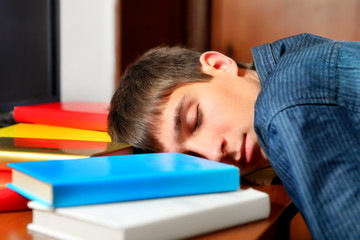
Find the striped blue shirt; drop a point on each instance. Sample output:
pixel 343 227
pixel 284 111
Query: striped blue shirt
pixel 307 118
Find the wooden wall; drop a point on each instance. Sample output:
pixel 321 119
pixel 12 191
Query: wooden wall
pixel 238 25
pixel 143 24
pixel 229 26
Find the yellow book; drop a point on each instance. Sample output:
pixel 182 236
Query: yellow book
pixel 27 130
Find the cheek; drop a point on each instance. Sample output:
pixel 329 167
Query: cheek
pixel 223 117
pixel 219 119
pixel 228 111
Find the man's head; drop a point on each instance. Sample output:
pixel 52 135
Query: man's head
pixel 177 100
pixel 143 91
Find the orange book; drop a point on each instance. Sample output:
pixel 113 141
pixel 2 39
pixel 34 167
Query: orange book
pixel 35 149
pixel 83 115
pixel 9 199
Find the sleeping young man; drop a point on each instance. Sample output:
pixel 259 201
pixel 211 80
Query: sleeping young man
pixel 297 108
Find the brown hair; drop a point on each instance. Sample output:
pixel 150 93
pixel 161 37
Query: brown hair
pixel 144 90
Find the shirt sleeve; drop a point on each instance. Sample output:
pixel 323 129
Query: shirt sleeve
pixel 315 151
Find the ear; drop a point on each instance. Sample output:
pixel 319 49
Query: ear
pixel 212 61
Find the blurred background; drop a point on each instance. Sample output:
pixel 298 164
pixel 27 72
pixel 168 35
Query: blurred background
pixel 229 26
pixel 96 39
pixel 99 38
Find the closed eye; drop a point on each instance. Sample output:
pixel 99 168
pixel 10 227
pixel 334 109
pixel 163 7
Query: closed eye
pixel 198 118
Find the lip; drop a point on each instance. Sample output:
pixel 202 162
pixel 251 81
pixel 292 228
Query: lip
pixel 243 154
pixel 249 149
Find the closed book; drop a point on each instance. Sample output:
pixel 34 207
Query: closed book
pixel 28 130
pixel 75 114
pixel 9 199
pixel 37 149
pixel 120 178
pixel 156 219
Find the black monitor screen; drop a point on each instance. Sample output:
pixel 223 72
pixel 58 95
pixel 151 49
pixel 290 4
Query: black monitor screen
pixel 29 52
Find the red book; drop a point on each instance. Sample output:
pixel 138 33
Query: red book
pixel 10 200
pixel 83 115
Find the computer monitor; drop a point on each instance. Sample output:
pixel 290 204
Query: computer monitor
pixel 29 53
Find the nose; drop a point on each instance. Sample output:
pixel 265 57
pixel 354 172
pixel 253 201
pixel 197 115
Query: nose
pixel 214 150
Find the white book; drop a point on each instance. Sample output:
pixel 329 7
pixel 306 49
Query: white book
pixel 164 218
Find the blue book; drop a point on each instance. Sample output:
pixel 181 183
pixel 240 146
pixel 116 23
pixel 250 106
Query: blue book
pixel 94 180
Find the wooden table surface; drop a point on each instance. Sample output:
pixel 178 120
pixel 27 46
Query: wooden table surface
pixel 13 224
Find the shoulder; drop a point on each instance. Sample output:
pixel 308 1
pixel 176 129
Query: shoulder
pixel 298 70
pixel 267 56
pixel 301 72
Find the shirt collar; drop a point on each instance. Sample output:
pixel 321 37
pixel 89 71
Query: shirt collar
pixel 264 61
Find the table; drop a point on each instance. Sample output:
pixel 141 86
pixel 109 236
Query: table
pixel 13 224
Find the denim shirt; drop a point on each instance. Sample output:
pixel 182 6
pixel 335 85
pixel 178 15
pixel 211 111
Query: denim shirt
pixel 307 118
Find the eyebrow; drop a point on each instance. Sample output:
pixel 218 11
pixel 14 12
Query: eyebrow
pixel 177 119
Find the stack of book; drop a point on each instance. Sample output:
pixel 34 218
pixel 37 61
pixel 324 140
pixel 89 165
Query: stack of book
pixel 97 189
pixel 139 196
pixel 50 132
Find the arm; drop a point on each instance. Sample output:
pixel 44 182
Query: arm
pixel 307 118
pixel 315 149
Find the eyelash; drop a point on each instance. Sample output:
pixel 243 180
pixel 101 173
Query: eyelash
pixel 198 118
